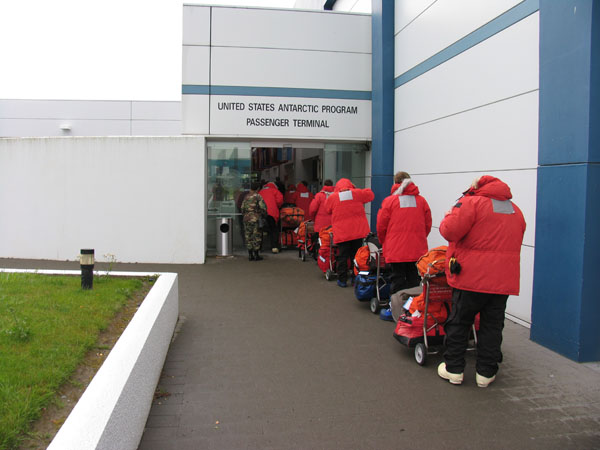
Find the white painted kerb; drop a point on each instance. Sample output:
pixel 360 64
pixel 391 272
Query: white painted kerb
pixel 112 412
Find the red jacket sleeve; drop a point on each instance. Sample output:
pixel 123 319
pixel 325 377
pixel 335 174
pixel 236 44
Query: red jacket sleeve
pixel 383 219
pixel 459 222
pixel 427 218
pixel 278 198
pixel 314 206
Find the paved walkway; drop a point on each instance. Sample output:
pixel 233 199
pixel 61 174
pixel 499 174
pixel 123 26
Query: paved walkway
pixel 270 355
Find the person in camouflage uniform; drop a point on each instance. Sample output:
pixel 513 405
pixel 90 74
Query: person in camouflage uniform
pixel 253 207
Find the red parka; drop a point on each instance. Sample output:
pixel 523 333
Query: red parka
pixel 403 223
pixel 485 232
pixel 273 198
pixel 303 199
pixel 290 195
pixel 346 206
pixel 317 210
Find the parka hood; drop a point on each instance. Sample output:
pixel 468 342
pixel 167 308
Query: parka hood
pixel 407 187
pixel 343 185
pixel 488 186
pixel 301 188
pixel 327 189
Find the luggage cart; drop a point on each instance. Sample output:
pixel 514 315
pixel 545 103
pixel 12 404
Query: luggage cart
pixel 289 219
pixel 305 239
pixel 426 334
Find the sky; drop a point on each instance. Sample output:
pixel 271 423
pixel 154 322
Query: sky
pixel 95 49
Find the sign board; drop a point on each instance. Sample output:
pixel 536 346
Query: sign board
pixel 290 117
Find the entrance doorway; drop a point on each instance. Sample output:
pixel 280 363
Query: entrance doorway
pixel 231 166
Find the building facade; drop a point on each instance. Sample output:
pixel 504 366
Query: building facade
pixel 504 87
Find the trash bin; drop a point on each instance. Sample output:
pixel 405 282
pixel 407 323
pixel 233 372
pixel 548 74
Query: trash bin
pixel 224 236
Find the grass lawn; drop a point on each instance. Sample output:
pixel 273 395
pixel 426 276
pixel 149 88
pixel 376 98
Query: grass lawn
pixel 47 325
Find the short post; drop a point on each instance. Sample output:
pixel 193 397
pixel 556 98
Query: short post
pixel 87 268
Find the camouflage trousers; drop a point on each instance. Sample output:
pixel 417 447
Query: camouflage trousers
pixel 253 235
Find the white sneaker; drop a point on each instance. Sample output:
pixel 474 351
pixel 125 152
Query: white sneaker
pixel 453 378
pixel 275 250
pixel 483 381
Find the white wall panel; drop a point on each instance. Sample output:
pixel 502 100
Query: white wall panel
pixel 196 65
pixel 290 68
pixel 127 196
pixel 52 127
pixel 195 114
pixel 196 25
pixel 156 110
pixel 500 67
pixel 442 190
pixel 405 11
pixel 59 109
pixel 155 128
pixel 520 306
pixel 503 135
pixel 301 30
pixel 434 31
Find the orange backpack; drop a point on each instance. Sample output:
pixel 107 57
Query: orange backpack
pixel 291 216
pixel 325 236
pixel 433 262
pixel 362 260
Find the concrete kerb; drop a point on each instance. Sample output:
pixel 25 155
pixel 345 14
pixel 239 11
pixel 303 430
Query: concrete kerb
pixel 112 412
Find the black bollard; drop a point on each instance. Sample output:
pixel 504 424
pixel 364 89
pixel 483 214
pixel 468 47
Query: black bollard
pixel 87 268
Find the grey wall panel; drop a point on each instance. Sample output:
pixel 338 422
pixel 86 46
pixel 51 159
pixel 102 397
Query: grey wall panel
pixel 290 68
pixel 196 25
pixel 300 30
pixel 155 128
pixel 156 111
pixel 60 109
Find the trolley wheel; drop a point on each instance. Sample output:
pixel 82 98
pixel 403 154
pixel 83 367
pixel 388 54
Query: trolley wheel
pixel 420 354
pixel 374 305
pixel 328 275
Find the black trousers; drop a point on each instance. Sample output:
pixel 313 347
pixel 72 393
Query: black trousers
pixel 273 231
pixel 404 275
pixel 465 306
pixel 346 250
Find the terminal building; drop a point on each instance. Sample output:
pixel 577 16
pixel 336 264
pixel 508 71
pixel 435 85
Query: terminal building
pixel 444 91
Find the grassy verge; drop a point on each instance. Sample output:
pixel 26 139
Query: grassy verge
pixel 47 325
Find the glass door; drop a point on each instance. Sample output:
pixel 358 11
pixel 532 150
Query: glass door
pixel 228 174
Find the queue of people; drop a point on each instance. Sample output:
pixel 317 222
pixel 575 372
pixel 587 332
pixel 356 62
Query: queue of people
pixel 484 230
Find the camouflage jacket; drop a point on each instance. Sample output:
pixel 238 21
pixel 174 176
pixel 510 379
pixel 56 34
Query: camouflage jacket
pixel 253 207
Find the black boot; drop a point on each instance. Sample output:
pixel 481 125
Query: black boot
pixel 257 257
pixel 251 255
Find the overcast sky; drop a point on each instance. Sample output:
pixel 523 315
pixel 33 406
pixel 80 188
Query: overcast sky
pixel 95 49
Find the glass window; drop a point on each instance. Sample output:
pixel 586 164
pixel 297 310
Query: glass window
pixel 228 174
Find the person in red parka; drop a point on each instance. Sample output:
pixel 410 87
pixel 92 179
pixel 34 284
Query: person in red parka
pixel 304 198
pixel 274 199
pixel 318 213
pixel 484 231
pixel 348 222
pixel 317 210
pixel 290 195
pixel 403 224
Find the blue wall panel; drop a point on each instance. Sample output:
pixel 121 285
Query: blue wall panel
pixel 566 303
pixel 559 248
pixel 565 55
pixel 382 149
